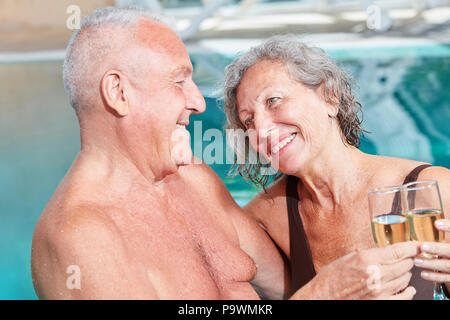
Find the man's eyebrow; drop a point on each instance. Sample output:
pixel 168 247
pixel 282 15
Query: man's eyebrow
pixel 182 70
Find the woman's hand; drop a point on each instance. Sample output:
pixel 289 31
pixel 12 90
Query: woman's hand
pixel 380 273
pixel 438 269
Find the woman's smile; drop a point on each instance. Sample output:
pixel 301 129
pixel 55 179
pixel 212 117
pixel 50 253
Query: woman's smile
pixel 284 141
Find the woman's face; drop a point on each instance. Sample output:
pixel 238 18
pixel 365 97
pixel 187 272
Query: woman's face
pixel 287 122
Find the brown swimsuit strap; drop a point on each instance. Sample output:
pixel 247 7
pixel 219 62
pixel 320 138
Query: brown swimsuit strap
pixel 302 266
pixel 411 177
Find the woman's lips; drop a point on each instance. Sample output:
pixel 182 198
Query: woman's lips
pixel 283 141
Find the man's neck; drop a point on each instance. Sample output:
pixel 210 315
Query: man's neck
pixel 122 157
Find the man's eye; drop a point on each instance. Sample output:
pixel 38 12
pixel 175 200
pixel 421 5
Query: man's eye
pixel 180 82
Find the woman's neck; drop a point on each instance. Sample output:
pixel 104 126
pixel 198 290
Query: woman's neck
pixel 337 173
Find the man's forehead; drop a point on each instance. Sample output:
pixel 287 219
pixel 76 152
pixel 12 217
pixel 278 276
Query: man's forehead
pixel 163 42
pixel 157 36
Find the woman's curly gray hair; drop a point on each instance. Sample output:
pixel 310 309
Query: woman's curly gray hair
pixel 310 66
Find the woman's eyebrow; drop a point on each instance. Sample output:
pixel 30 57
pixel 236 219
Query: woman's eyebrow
pixel 264 91
pixel 243 110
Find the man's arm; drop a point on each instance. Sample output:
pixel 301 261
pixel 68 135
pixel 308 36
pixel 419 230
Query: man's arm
pixel 86 259
pixel 272 274
pixel 272 280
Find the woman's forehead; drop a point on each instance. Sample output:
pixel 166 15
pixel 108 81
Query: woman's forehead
pixel 264 71
pixel 262 76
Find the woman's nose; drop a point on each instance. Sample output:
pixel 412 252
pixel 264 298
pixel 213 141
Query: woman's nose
pixel 264 128
pixel 263 123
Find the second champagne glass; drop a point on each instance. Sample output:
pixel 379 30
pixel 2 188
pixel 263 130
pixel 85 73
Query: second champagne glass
pixel 424 207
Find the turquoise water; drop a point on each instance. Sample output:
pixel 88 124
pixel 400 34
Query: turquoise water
pixel 405 99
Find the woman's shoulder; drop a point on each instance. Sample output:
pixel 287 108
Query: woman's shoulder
pixel 395 170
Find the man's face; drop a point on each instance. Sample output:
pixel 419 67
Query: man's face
pixel 164 94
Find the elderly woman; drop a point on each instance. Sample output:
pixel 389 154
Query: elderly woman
pixel 300 114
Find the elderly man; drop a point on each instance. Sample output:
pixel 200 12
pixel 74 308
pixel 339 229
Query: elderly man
pixel 131 220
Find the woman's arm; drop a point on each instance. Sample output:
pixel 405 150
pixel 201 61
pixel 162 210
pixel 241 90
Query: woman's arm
pixel 379 273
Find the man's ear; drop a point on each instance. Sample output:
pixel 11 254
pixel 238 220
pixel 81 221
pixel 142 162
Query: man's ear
pixel 113 88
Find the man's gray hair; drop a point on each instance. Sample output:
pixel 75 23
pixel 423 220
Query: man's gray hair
pixel 83 51
pixel 310 66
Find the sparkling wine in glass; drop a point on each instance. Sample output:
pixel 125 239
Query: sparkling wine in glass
pixel 423 207
pixel 387 214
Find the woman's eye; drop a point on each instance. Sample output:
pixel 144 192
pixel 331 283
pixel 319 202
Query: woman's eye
pixel 248 122
pixel 272 100
pixel 180 82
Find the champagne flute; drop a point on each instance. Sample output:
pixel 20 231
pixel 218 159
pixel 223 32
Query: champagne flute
pixel 424 206
pixel 387 214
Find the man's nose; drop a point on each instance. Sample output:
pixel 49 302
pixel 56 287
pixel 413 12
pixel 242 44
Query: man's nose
pixel 194 100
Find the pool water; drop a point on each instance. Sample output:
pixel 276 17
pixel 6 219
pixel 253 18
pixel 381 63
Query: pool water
pixel 405 99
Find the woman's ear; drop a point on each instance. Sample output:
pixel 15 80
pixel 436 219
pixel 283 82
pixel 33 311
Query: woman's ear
pixel 333 110
pixel 113 90
pixel 331 101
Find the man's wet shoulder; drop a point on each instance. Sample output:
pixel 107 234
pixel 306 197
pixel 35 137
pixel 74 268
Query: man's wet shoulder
pixel 199 173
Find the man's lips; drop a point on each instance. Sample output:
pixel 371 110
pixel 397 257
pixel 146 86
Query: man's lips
pixel 183 123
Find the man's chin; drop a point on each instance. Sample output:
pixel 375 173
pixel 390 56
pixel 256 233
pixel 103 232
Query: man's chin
pixel 182 156
pixel 181 152
pixel 184 163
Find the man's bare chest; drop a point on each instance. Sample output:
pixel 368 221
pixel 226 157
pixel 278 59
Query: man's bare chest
pixel 190 254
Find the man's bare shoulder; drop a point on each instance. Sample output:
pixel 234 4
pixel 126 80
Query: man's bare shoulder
pixel 200 172
pixel 64 238
pixel 203 179
pixel 60 221
pixel 84 223
pixel 268 202
pixel 86 239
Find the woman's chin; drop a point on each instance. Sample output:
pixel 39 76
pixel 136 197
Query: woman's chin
pixel 289 166
pixel 288 172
